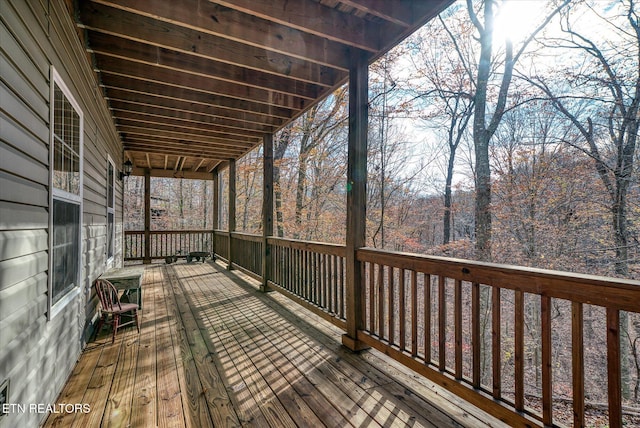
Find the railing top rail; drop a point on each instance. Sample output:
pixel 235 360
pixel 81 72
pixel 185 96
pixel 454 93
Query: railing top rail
pixel 247 236
pixel 167 232
pixel 319 247
pixel 623 294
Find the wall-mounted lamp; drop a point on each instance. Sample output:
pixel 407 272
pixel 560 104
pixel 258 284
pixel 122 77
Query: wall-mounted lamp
pixel 127 167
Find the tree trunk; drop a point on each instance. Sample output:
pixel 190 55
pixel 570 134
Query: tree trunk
pixel 300 189
pixel 279 150
pixel 446 226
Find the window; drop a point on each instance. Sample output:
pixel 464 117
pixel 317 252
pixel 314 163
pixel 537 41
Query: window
pixel 111 176
pixel 66 194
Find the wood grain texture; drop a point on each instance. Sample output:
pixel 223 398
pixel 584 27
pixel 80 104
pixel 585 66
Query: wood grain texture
pixel 226 355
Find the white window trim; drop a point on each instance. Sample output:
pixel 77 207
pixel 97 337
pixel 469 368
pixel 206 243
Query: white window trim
pixel 111 210
pixel 53 309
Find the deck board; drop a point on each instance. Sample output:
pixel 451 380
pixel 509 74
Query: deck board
pixel 214 351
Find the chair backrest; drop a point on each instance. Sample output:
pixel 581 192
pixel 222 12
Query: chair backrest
pixel 108 295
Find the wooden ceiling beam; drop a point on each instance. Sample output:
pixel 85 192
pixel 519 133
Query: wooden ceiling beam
pixel 213 19
pixel 228 141
pixel 116 47
pixel 153 104
pixel 312 17
pixel 138 74
pixel 208 133
pixel 109 21
pixel 197 167
pixel 177 150
pixel 169 173
pixel 191 99
pixel 399 12
pixel 138 119
pixel 152 146
pixel 212 165
pixel 188 119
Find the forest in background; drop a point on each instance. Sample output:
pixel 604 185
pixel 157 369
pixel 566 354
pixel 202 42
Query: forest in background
pixel 497 132
pixel 560 102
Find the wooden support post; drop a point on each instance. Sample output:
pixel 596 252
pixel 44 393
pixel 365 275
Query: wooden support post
pixel 232 207
pixel 147 216
pixel 356 194
pixel 267 208
pixel 216 209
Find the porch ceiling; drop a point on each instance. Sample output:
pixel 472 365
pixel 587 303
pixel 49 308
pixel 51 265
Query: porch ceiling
pixel 192 83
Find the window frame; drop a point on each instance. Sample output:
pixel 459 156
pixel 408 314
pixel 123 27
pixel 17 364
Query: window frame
pixel 55 307
pixel 111 209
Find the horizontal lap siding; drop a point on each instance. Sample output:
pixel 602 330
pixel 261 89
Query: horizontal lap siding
pixel 37 354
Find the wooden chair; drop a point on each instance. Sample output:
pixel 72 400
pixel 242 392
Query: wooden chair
pixel 111 306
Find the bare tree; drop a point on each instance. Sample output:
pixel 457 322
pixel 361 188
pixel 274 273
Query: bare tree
pixel 603 105
pixel 485 123
pixel 280 145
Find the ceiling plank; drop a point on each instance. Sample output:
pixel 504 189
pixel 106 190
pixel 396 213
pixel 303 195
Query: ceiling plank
pixel 123 24
pixel 197 167
pixel 210 18
pixel 313 18
pixel 400 12
pixel 162 105
pixel 140 73
pixel 138 119
pixel 229 141
pixel 193 98
pixel 187 133
pixel 189 119
pixel 169 173
pixel 176 149
pixel 117 47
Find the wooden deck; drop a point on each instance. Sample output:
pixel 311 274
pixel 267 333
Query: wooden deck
pixel 214 351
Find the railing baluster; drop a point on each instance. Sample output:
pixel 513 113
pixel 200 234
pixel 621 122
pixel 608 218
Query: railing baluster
pixel 519 350
pixel 316 285
pixel 547 386
pixel 458 328
pixel 476 344
pixel 495 342
pixel 390 292
pixel 372 300
pixel 442 323
pixel 577 363
pixel 305 279
pixel 325 288
pixel 401 311
pixel 296 271
pixel 342 308
pixel 427 318
pixel 380 301
pixel 330 292
pixel 613 368
pixel 414 313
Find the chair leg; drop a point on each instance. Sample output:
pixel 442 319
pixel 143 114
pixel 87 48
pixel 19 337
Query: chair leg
pixel 135 314
pixel 116 320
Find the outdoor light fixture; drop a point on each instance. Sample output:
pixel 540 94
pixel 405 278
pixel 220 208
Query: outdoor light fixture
pixel 127 167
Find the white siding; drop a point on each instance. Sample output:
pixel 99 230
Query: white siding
pixel 38 354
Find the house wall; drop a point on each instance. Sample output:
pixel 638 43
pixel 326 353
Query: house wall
pixel 38 352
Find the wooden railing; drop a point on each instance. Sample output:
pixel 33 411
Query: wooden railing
pixel 446 319
pixel 165 243
pixel 246 252
pixel 516 342
pixel 222 244
pixel 312 274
